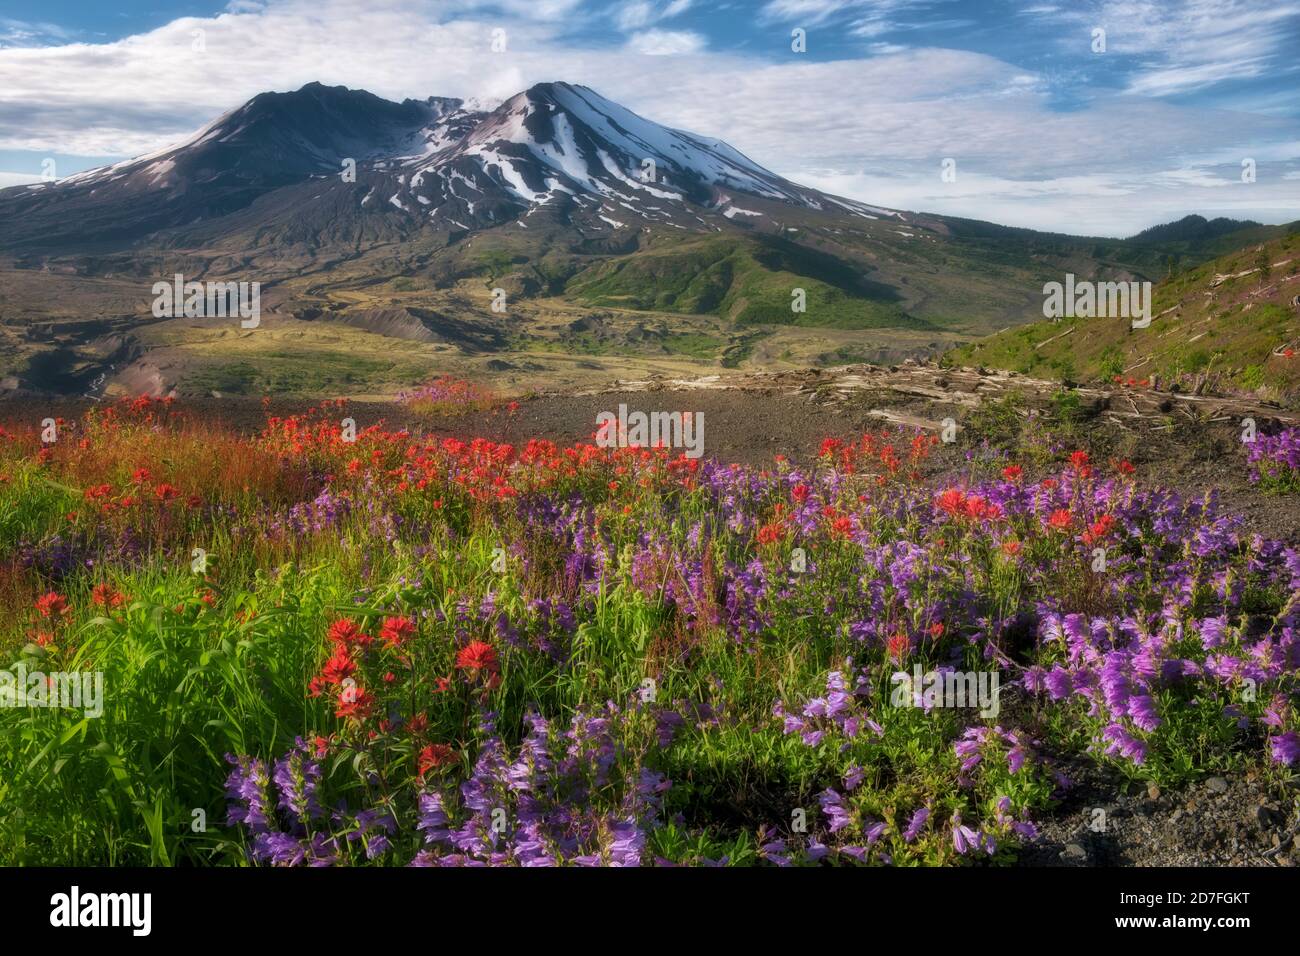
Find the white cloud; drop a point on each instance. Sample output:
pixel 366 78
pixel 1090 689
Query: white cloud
pixel 23 33
pixel 636 14
pixel 17 179
pixel 1188 45
pixel 666 42
pixel 812 12
pixel 1092 205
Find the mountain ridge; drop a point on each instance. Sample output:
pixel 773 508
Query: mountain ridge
pixel 1193 226
pixel 1228 325
pixel 448 166
pixel 698 258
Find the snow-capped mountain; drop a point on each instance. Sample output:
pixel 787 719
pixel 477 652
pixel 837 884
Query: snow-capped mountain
pixel 562 144
pixel 395 218
pixel 353 163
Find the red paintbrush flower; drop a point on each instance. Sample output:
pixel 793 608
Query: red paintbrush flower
pixel 339 667
pixel 435 755
pixel 1099 529
pixel 52 605
pixel 167 492
pixel 953 501
pixel 979 509
pixel 476 658
pixel 354 702
pixel 396 631
pixel 346 633
pixel 1059 520
pixel 104 595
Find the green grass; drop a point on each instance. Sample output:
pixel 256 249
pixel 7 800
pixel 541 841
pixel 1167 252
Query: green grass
pixel 748 282
pixel 698 345
pixel 307 372
pixel 1221 330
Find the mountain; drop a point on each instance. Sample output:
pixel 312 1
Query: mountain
pixel 434 165
pixel 384 234
pixel 1193 227
pixel 1223 326
pixel 272 141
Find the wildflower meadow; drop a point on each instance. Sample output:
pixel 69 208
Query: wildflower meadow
pixel 330 645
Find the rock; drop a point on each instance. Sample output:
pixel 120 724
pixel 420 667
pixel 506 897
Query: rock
pixel 1153 792
pixel 1216 785
pixel 1074 851
pixel 1262 816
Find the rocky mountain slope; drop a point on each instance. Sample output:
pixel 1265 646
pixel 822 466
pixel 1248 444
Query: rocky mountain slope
pixel 553 235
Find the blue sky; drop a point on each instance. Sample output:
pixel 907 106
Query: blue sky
pixel 1045 130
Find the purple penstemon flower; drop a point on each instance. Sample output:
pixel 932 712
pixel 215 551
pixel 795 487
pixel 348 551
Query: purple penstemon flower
pixel 1142 710
pixel 298 779
pixel 1285 748
pixel 773 850
pixel 964 839
pixel 433 819
pixel 1120 742
pixel 247 786
pixel 915 825
pixel 968 748
pixel 1059 683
